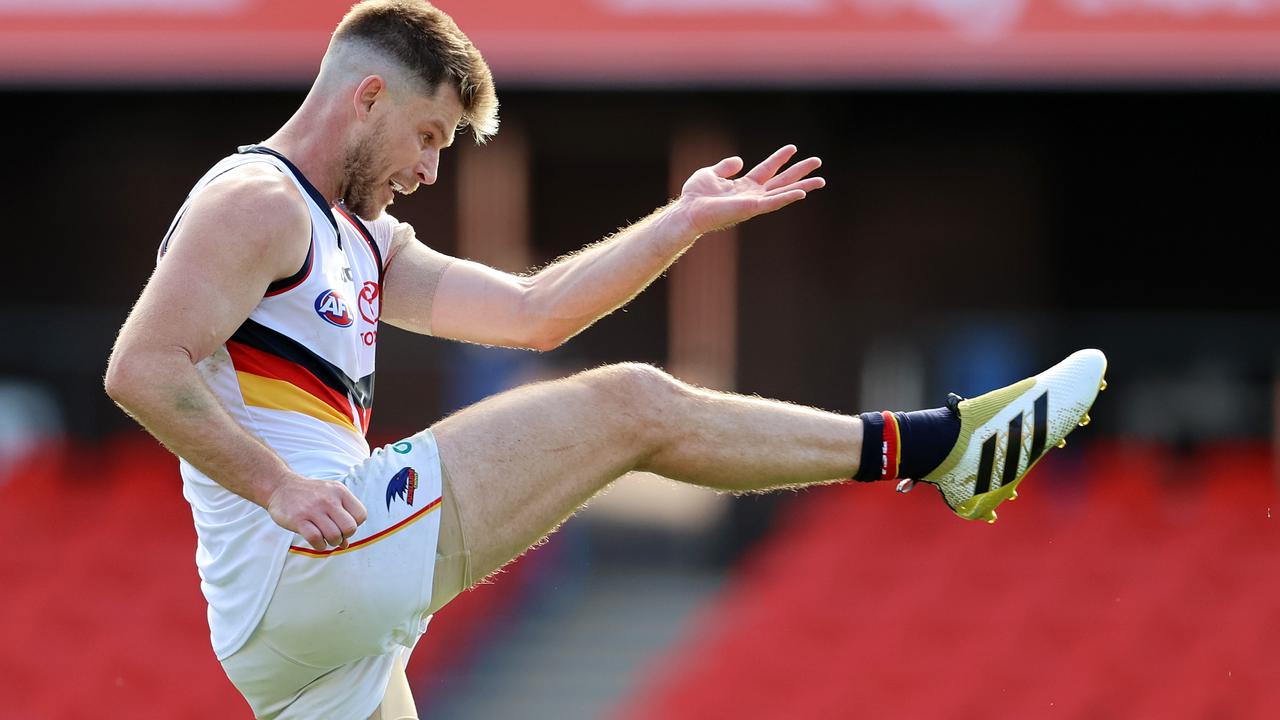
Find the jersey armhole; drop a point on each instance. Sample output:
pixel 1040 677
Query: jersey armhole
pixel 277 287
pixel 284 285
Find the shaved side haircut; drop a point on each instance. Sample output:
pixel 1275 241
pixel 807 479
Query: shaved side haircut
pixel 430 47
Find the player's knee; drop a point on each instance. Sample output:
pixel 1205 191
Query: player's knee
pixel 637 389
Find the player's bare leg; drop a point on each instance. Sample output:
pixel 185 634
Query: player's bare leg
pixel 397 701
pixel 523 461
pixel 518 464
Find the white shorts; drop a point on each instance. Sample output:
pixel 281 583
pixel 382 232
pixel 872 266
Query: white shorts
pixel 339 618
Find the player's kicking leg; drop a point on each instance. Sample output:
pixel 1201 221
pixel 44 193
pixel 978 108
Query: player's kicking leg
pixel 519 463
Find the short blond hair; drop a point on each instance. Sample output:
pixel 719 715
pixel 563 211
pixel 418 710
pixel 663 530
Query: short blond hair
pixel 428 44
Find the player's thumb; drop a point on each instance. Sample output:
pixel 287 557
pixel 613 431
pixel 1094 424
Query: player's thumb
pixel 728 167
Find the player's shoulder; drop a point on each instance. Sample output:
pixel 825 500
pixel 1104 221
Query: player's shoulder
pixel 255 196
pixel 252 213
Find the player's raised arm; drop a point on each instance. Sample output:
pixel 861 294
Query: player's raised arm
pixel 462 300
pixel 239 234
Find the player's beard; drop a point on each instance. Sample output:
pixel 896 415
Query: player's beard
pixel 362 187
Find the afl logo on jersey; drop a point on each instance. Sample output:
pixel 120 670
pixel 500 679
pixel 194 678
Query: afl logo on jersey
pixel 333 309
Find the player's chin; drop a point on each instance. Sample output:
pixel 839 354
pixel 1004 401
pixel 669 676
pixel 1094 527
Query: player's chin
pixel 368 208
pixel 380 205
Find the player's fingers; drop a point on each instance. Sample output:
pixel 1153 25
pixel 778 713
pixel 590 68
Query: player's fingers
pixel 311 534
pixel 329 529
pixel 794 173
pixel 765 170
pixel 807 185
pixel 728 167
pixel 354 507
pixel 769 203
pixel 346 524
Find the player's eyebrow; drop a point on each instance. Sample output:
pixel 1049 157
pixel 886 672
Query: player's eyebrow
pixel 439 128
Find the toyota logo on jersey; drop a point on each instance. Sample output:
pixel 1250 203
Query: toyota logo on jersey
pixel 370 302
pixel 333 309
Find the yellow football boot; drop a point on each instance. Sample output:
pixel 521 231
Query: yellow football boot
pixel 1005 432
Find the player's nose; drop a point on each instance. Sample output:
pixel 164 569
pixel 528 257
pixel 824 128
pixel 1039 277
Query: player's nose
pixel 427 167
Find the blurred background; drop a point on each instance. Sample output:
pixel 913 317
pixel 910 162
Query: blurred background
pixel 1008 180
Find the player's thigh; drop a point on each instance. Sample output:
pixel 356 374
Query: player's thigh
pixel 522 461
pixel 397 702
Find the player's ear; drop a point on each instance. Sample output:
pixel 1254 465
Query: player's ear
pixel 370 90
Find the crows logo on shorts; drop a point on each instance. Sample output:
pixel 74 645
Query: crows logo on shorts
pixel 402 486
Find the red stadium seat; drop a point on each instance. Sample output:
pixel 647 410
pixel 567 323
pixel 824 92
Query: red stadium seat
pixel 1128 581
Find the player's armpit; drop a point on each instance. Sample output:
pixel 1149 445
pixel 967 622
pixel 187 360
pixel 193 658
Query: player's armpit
pixel 431 293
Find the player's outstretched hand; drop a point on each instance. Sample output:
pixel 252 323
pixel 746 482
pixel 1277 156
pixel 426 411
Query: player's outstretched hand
pixel 322 511
pixel 712 198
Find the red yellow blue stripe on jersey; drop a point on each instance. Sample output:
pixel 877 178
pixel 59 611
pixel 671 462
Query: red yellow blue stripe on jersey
pixel 268 381
pixel 275 394
pixel 307 383
pixel 376 537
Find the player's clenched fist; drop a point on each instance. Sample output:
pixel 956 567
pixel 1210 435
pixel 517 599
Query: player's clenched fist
pixel 324 512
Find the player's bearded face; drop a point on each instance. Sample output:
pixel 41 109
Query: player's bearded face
pixel 363 184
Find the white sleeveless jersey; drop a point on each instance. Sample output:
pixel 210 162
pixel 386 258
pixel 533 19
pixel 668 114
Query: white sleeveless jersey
pixel 298 374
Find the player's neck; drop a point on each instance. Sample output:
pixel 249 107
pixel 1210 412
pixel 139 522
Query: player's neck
pixel 314 146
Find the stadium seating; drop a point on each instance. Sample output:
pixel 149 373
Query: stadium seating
pixel 102 613
pixel 1129 581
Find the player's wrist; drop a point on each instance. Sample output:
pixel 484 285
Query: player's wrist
pixel 678 216
pixel 274 489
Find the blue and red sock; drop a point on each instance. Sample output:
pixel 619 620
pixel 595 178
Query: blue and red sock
pixel 906 445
